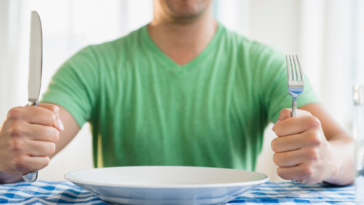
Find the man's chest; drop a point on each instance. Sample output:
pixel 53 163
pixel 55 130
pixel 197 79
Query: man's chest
pixel 212 100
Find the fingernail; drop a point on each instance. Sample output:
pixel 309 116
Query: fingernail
pixel 278 121
pixel 60 124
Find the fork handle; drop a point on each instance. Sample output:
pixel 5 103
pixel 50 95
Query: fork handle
pixel 294 107
pixel 294 114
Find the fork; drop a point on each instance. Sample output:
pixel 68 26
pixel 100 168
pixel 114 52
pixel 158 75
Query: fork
pixel 296 83
pixel 296 80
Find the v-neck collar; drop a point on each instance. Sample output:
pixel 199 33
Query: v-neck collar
pixel 168 62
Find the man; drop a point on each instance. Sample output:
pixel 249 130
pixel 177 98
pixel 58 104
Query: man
pixel 182 90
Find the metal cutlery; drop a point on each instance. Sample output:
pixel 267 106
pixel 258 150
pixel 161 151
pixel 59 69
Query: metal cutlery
pixel 296 83
pixel 296 80
pixel 35 72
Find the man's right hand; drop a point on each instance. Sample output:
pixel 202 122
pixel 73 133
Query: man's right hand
pixel 27 138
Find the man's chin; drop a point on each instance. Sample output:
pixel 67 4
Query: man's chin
pixel 185 12
pixel 185 17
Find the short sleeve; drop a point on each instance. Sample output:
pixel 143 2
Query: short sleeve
pixel 275 85
pixel 74 86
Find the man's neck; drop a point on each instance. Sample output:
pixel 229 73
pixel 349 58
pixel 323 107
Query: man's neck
pixel 183 42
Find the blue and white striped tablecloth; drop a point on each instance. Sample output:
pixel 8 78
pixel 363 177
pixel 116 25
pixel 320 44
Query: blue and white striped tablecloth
pixel 50 192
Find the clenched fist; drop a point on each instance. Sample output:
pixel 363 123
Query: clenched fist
pixel 27 138
pixel 301 150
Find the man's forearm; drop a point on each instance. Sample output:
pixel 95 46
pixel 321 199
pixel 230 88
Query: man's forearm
pixel 9 178
pixel 343 148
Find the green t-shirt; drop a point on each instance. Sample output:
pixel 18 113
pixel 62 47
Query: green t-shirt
pixel 145 109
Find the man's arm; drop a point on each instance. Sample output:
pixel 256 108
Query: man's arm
pixel 312 147
pixel 71 129
pixel 341 142
pixel 21 135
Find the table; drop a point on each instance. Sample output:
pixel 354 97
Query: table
pixel 50 192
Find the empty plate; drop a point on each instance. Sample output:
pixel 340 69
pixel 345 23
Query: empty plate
pixel 166 184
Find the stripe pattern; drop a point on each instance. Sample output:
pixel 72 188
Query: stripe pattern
pixel 289 193
pixel 50 192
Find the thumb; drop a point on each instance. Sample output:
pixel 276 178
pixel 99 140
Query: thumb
pixel 287 112
pixel 284 114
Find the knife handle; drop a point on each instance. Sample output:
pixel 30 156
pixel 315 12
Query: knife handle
pixel 31 176
pixel 34 103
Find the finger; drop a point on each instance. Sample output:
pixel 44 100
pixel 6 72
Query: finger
pixel 55 109
pixel 39 148
pixel 301 173
pixel 26 164
pixel 296 125
pixel 289 159
pixel 51 107
pixel 295 142
pixel 42 133
pixel 287 112
pixel 33 115
pixel 32 131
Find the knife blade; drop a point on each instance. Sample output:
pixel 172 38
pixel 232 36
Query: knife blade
pixel 35 71
pixel 35 58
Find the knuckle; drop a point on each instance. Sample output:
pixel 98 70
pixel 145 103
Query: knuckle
pixel 276 159
pixel 55 134
pixel 285 112
pixel 53 118
pixel 49 115
pixel 315 139
pixel 15 113
pixel 15 129
pixel 313 154
pixel 278 130
pixel 51 149
pixel 54 108
pixel 280 173
pixel 307 172
pixel 52 134
pixel 16 145
pixel 46 162
pixel 314 123
pixel 274 146
pixel 19 164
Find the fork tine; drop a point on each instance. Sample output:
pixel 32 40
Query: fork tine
pixel 288 69
pixel 298 75
pixel 294 77
pixel 300 67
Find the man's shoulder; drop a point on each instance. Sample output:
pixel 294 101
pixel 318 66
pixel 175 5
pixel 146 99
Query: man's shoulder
pixel 248 45
pixel 114 47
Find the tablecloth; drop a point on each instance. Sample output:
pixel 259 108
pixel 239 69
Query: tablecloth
pixel 63 192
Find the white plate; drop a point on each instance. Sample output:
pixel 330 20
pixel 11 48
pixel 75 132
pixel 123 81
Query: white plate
pixel 166 184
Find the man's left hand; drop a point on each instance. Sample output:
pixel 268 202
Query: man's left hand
pixel 301 150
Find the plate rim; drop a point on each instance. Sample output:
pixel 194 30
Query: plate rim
pixel 233 184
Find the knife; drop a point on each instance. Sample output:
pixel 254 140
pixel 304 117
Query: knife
pixel 35 71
